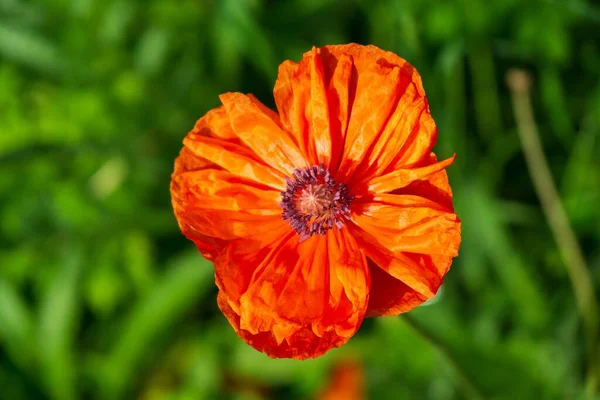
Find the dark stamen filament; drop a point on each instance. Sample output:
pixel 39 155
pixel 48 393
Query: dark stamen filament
pixel 314 202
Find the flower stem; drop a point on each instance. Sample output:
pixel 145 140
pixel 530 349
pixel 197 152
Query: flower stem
pixel 519 83
pixel 468 386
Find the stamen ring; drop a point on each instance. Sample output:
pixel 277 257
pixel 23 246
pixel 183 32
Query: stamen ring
pixel 314 202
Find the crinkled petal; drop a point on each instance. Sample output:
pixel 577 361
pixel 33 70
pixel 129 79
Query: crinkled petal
pixel 406 121
pixel 302 298
pixel 412 233
pixel 419 276
pixel 214 124
pixel 403 177
pixel 259 129
pixel 301 96
pixel 215 206
pixel 414 142
pixel 238 262
pixel 220 188
pixel 409 224
pixel 291 106
pixel 211 189
pixel 408 132
pixel 301 345
pixel 356 108
pixel 341 86
pixel 390 296
pixel 188 161
pixel 378 89
pixel 235 158
pixel 434 186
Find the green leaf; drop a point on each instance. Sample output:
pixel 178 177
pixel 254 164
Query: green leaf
pixel 152 51
pixel 58 325
pixel 30 49
pixel 16 326
pixel 186 280
pixel 483 227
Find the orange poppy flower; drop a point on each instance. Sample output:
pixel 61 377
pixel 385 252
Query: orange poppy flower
pixel 331 210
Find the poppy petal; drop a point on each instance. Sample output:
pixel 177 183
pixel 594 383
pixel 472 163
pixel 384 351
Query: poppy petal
pixel 376 133
pixel 326 102
pixel 365 56
pixel 290 106
pixel 409 224
pixel 258 128
pixel 380 85
pixel 411 117
pixel 404 177
pixel 238 262
pixel 301 97
pixel 188 161
pixel 301 345
pixel 340 96
pixel 212 189
pixel 434 186
pixel 215 143
pixel 314 291
pixel 214 128
pixel 208 246
pixel 215 123
pixel 218 204
pixel 416 146
pixel 388 295
pixel 421 277
pixel 236 159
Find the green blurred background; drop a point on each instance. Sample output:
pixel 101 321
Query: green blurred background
pixel 101 297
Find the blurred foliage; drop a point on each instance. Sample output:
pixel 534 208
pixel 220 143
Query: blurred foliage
pixel 102 298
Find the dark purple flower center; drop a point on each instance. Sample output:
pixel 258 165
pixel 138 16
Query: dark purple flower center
pixel 314 202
